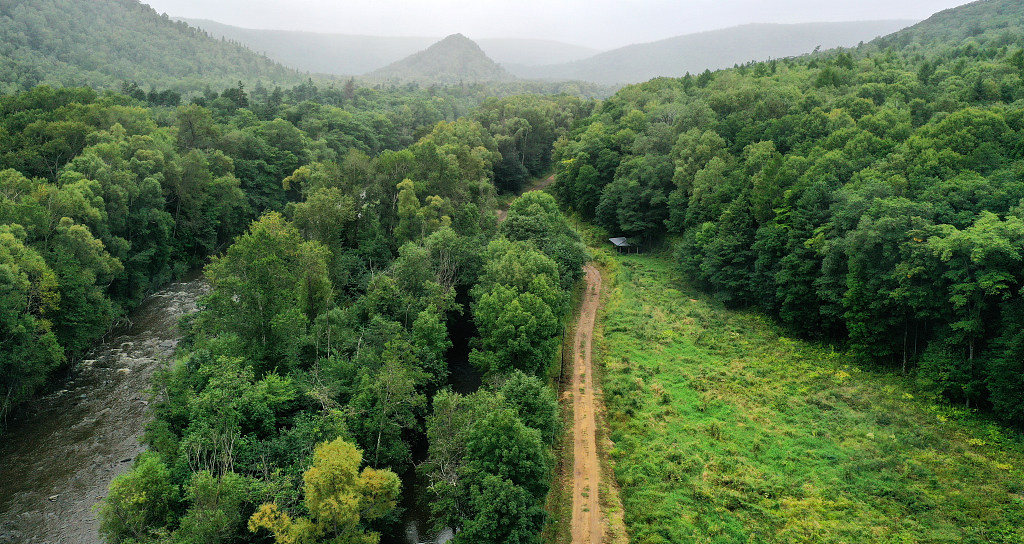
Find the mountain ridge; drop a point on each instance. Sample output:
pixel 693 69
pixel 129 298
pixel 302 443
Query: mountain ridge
pixel 455 59
pixel 715 49
pixel 354 54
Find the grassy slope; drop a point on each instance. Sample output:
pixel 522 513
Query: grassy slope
pixel 726 431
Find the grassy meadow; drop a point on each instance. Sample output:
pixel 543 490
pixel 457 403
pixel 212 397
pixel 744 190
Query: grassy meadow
pixel 724 430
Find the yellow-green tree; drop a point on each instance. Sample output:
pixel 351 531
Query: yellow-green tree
pixel 338 497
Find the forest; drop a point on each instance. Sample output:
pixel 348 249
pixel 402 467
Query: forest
pixel 362 245
pixel 870 197
pixel 104 42
pixel 351 239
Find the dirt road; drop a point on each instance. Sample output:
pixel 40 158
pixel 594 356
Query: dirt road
pixel 538 186
pixel 587 525
pixel 543 184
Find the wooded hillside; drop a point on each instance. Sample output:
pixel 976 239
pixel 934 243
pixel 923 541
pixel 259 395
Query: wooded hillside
pixel 102 43
pixel 870 196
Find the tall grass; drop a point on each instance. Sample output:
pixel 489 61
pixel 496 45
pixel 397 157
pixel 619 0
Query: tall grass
pixel 724 430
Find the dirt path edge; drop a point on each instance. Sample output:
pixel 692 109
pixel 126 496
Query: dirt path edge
pixel 587 521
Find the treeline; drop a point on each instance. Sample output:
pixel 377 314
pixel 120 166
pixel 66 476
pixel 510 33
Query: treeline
pixel 524 128
pixel 330 323
pixel 325 338
pixel 99 206
pixel 870 196
pixel 111 199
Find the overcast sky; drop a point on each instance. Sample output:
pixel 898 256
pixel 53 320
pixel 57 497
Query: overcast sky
pixel 596 23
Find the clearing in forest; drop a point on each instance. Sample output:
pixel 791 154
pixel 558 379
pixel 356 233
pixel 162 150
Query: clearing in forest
pixel 724 430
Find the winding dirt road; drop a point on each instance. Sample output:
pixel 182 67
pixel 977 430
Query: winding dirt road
pixel 538 186
pixel 587 525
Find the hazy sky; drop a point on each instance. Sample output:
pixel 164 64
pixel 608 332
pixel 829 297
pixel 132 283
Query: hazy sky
pixel 597 23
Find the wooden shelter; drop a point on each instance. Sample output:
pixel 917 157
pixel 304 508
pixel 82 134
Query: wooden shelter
pixel 623 245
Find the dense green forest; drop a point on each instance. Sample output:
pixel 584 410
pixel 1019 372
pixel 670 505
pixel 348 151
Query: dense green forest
pixel 870 199
pixel 871 196
pixel 134 195
pixel 326 332
pixel 101 43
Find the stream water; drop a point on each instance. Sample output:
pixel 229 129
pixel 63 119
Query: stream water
pixel 58 456
pixel 463 378
pixel 60 453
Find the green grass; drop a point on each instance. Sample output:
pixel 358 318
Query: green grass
pixel 725 430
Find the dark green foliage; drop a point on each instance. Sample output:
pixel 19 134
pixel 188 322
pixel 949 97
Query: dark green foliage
pixel 534 402
pixel 217 508
pixel 501 444
pixel 488 463
pixel 28 295
pixel 328 320
pixel 1005 372
pixel 868 196
pixel 504 513
pixel 518 331
pixel 525 128
pixel 535 218
pixel 107 42
pixel 266 290
pixel 117 199
pixel 139 502
pixel 517 308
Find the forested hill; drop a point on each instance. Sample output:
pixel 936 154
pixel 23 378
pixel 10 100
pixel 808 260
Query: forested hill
pixel 102 43
pixel 350 54
pixel 871 196
pixel 988 21
pixel 339 54
pixel 716 49
pixel 455 59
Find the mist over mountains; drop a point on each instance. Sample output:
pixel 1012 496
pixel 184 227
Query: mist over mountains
pixel 342 54
pixel 386 242
pixel 455 59
pixel 350 54
pixel 711 50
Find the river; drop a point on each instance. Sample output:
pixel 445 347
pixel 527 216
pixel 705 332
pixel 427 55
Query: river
pixel 463 379
pixel 60 453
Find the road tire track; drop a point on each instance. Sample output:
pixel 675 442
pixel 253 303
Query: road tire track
pixel 587 522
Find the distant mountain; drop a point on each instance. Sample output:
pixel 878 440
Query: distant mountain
pixel 533 52
pixel 340 54
pixel 102 43
pixel 716 49
pixel 452 60
pixel 347 54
